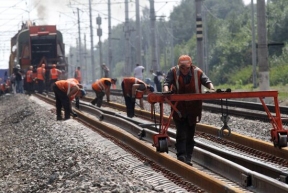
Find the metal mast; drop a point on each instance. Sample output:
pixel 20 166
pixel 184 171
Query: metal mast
pixel 92 43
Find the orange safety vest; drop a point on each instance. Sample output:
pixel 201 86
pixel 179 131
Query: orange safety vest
pixel 54 73
pixel 100 86
pixel 191 109
pixel 41 73
pixel 78 75
pixel 128 83
pixel 73 80
pixel 29 76
pixel 65 86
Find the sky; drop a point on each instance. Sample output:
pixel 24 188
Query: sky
pixel 63 14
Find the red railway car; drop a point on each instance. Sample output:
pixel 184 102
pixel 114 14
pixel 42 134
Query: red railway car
pixel 37 44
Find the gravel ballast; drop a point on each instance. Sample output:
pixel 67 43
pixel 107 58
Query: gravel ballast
pixel 40 154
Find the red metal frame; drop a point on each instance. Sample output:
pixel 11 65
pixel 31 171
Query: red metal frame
pixel 161 98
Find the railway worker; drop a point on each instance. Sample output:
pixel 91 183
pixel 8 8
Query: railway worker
pixel 77 101
pixel 54 73
pixel 29 80
pixel 138 71
pixel 65 91
pixel 18 78
pixel 186 78
pixel 78 75
pixel 41 78
pixel 102 87
pixel 130 87
pixel 106 70
pixel 158 79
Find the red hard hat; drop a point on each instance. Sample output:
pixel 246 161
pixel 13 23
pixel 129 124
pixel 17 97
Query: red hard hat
pixel 184 59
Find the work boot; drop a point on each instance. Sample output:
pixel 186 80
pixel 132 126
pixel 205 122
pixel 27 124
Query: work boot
pixel 188 160
pixel 74 114
pixel 94 101
pixel 59 118
pixel 182 158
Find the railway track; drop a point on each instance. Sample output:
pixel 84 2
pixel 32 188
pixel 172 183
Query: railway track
pixel 247 164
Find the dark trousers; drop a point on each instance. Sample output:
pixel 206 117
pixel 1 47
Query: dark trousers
pixel 159 87
pixel 184 138
pixel 52 81
pixel 19 86
pixel 62 100
pixel 29 87
pixel 40 86
pixel 130 104
pixel 98 99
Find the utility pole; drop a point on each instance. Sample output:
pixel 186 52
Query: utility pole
pixel 253 47
pixel 79 39
pixel 138 35
pixel 127 45
pixel 70 67
pixel 92 43
pixel 165 50
pixel 85 60
pixel 264 83
pixel 77 56
pixel 206 53
pixel 99 34
pixel 110 65
pixel 199 35
pixel 172 44
pixel 154 64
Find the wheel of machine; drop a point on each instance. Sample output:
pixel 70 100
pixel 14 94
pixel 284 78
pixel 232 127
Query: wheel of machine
pixel 163 145
pixel 282 140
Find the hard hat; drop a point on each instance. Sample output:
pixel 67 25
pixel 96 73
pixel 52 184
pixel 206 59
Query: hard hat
pixel 184 60
pixel 54 65
pixel 18 66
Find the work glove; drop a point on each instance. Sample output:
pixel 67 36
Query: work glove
pixel 210 91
